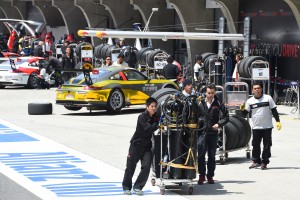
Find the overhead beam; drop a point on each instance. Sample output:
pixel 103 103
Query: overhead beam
pixel 161 35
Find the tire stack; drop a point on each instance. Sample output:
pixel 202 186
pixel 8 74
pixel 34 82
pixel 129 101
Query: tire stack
pixel 206 57
pixel 141 55
pixel 244 66
pixel 103 50
pixel 129 53
pixel 146 56
pixel 237 133
pixel 78 48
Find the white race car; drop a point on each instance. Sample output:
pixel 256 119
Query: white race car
pixel 21 71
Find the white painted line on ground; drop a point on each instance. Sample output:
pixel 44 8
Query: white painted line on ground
pixel 53 171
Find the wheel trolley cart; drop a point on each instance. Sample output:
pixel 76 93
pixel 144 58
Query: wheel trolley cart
pixel 160 60
pixel 177 142
pixel 58 50
pixel 233 100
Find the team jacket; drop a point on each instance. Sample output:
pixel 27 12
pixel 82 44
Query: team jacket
pixel 216 114
pixel 145 127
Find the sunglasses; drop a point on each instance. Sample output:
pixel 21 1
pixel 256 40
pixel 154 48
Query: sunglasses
pixel 108 59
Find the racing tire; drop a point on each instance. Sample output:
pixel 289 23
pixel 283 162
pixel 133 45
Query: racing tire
pixel 241 135
pixel 142 54
pixel 104 50
pixel 97 52
pixel 247 67
pixel 159 93
pixel 32 81
pixel 40 108
pixel 73 108
pixel 116 101
pixel 230 135
pixel 205 55
pixel 206 63
pixel 246 127
pixel 78 48
pixel 240 67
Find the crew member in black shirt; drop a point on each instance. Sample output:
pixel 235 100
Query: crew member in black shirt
pixel 170 71
pixel 140 149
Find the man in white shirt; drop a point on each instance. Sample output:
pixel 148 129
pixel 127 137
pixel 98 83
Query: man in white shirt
pixel 199 70
pixel 187 87
pixel 120 61
pixel 262 107
pixel 43 78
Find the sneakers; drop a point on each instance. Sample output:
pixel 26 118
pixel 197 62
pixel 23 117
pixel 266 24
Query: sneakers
pixel 210 180
pixel 254 165
pixel 201 180
pixel 263 166
pixel 128 192
pixel 138 192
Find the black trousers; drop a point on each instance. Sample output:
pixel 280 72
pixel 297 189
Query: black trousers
pixel 136 153
pixel 210 146
pixel 41 83
pixel 266 136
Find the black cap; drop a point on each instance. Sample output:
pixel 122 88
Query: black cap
pixel 186 82
pixel 121 55
pixel 199 58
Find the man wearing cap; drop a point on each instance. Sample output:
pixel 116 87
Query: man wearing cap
pixel 120 61
pixel 187 87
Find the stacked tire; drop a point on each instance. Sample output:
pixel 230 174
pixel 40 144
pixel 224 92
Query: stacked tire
pixel 129 53
pixel 244 66
pixel 146 56
pixel 237 133
pixel 78 48
pixel 206 57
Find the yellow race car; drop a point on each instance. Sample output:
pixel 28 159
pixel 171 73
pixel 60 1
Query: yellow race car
pixel 109 88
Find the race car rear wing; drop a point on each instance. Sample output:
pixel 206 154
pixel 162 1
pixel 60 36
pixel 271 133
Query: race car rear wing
pixel 85 72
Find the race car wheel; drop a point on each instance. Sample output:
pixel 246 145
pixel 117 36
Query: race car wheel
pixel 32 83
pixel 115 101
pixel 73 108
pixel 40 108
pixel 2 86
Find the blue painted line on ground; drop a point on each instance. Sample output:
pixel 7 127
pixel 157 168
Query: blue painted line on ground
pixel 54 171
pixel 8 134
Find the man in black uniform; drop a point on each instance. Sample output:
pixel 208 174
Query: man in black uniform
pixel 214 115
pixel 38 49
pixel 170 71
pixel 56 65
pixel 140 148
